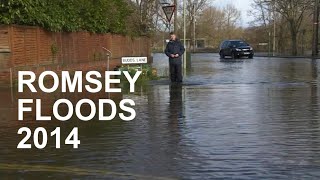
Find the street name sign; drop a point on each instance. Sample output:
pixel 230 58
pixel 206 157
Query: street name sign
pixel 134 60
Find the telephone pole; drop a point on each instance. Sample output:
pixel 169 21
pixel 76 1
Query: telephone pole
pixel 315 29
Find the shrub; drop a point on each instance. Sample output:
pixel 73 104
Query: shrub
pixel 97 16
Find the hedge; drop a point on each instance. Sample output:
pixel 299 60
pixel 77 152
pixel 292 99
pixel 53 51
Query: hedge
pixel 97 16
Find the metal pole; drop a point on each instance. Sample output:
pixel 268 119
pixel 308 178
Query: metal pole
pixel 269 44
pixel 184 39
pixel 109 55
pixel 164 42
pixel 271 10
pixel 274 29
pixel 108 68
pixel 270 14
pixel 274 39
pixel 315 29
pixel 175 17
pixel 194 26
pixel 11 81
pixel 11 84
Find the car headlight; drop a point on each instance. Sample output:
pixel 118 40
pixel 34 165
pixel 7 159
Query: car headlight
pixel 238 49
pixel 251 49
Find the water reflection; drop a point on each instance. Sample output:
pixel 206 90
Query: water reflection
pixel 175 106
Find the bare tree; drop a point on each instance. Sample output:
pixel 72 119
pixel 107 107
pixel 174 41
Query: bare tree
pixel 261 11
pixel 193 8
pixel 216 24
pixel 232 17
pixel 149 14
pixel 292 12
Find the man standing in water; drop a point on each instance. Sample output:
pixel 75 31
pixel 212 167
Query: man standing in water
pixel 174 51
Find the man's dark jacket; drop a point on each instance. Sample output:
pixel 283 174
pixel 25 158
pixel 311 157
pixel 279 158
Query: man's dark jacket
pixel 175 47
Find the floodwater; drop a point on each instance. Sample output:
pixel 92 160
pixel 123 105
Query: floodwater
pixel 245 119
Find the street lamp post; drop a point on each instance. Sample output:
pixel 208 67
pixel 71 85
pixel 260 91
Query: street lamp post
pixel 184 38
pixel 315 29
pixel 194 26
pixel 274 27
pixel 272 9
pixel 269 40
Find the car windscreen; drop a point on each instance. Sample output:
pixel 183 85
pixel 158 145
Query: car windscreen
pixel 239 43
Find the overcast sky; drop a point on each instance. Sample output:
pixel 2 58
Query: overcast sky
pixel 243 5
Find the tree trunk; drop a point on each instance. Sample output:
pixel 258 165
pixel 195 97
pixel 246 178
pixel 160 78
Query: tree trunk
pixel 294 46
pixel 280 40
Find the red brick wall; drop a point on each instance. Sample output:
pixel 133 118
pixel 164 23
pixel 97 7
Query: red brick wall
pixel 31 48
pixel 4 38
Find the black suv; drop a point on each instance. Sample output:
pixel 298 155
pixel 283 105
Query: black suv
pixel 235 49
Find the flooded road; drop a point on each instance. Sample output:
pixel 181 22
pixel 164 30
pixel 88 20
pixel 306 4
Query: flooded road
pixel 246 119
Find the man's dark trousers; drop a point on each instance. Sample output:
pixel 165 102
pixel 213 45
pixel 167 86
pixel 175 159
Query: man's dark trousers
pixel 175 72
